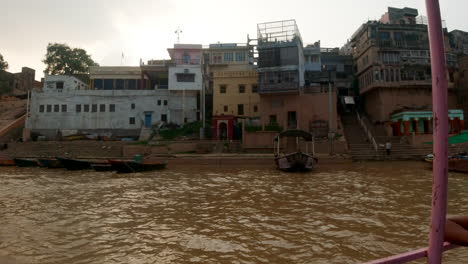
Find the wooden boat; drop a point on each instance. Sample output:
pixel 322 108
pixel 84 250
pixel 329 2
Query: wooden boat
pixel 7 162
pixel 102 167
pixel 458 165
pixel 50 163
pixel 297 160
pixel 25 162
pixel 74 164
pixel 127 166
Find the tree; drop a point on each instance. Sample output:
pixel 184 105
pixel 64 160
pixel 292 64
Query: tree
pixel 61 59
pixel 3 63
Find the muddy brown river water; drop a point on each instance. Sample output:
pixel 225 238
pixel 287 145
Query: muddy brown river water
pixel 342 213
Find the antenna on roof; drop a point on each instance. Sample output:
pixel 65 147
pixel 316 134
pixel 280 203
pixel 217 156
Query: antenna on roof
pixel 178 31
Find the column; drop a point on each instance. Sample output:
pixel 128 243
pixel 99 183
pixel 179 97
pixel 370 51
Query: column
pixel 462 124
pixel 416 127
pixel 427 126
pixel 451 126
pixel 406 128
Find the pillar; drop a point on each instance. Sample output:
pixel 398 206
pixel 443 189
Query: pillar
pixel 427 126
pixel 451 126
pixel 416 127
pixel 462 124
pixel 406 128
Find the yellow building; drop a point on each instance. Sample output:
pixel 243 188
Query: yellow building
pixel 234 81
pixel 235 93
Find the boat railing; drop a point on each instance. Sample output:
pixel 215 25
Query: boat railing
pixel 367 132
pixel 409 256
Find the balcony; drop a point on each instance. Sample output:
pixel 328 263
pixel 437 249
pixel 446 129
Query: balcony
pixel 187 61
pixel 278 88
pixel 400 84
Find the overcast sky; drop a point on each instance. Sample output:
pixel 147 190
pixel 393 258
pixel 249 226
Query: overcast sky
pixel 145 28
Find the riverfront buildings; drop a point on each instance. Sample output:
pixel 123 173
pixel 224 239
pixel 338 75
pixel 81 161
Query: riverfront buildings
pixel 252 90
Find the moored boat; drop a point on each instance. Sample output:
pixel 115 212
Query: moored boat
pixel 127 166
pixel 102 167
pixel 20 162
pixel 74 164
pixel 298 159
pixel 7 162
pixel 50 163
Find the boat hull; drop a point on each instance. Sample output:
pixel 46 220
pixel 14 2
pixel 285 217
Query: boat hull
pixel 102 167
pixel 131 166
pixel 25 162
pixel 7 162
pixel 458 165
pixel 297 161
pixel 50 163
pixel 73 164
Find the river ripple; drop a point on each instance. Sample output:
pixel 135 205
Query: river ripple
pixel 337 214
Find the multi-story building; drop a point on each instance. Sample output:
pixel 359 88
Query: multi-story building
pixel 114 105
pixel 285 99
pixel 234 83
pixel 459 42
pixel 394 69
pixel 17 83
pixel 185 82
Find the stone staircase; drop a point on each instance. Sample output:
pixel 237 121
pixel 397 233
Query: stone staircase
pixel 359 146
pixel 145 133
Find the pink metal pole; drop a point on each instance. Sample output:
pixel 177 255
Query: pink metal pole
pixel 439 102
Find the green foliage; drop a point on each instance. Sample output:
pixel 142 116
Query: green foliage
pixel 186 130
pixel 273 127
pixel 61 59
pixel 250 128
pixel 3 63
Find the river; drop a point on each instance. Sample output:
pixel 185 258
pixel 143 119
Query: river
pixel 341 213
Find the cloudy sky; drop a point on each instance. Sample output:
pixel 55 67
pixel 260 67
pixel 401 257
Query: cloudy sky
pixel 145 28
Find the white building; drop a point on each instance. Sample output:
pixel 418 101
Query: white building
pixel 71 109
pixel 62 83
pixel 185 82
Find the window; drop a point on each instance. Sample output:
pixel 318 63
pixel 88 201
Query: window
pixel 97 84
pixel 240 109
pixel 226 108
pixel 273 119
pixel 94 108
pixel 112 108
pixel 164 118
pixel 108 84
pixel 384 35
pixel 64 108
pixel 86 108
pixel 222 88
pixel 241 88
pixel 119 84
pixel 78 108
pixel 292 120
pixel 131 84
pixel 240 56
pixel 49 108
pixel 185 77
pixel 255 109
pixel 59 85
pixel 254 88
pixel 159 102
pixel 102 108
pixel 41 108
pixel 132 106
pixel 186 58
pixel 217 58
pixel 56 108
pixel 228 56
pixel 165 102
pixel 131 121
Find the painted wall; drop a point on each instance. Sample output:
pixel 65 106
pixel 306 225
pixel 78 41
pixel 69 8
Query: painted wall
pixel 70 83
pixel 232 98
pixel 183 105
pixel 182 69
pixel 144 100
pixel 381 103
pixel 308 107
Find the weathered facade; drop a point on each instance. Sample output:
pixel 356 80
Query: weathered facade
pixel 289 98
pixel 70 109
pixel 17 83
pixel 393 65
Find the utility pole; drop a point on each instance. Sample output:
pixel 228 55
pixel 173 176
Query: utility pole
pixel 331 133
pixel 178 32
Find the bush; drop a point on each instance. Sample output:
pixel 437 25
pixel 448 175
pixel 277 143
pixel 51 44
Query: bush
pixel 250 128
pixel 273 127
